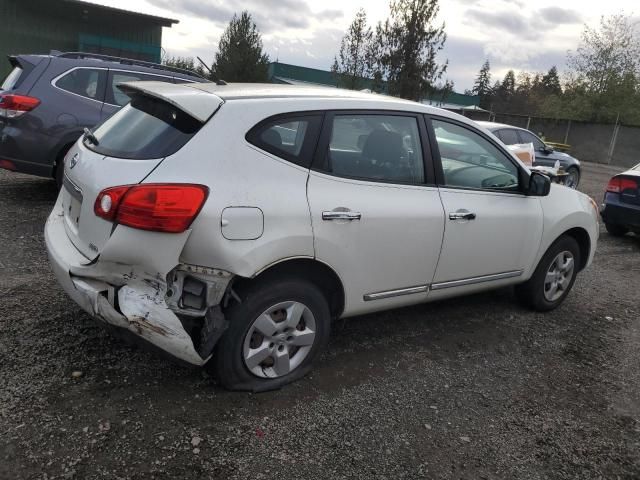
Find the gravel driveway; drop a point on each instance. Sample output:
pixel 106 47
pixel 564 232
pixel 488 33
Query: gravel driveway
pixel 470 388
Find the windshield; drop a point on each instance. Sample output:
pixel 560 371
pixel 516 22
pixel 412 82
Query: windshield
pixel 12 79
pixel 146 128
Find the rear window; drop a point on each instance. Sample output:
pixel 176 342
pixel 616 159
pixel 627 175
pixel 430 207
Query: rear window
pixel 146 128
pixel 12 79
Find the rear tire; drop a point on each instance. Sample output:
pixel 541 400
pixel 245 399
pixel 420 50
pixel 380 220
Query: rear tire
pixel 553 278
pixel 616 230
pixel 274 335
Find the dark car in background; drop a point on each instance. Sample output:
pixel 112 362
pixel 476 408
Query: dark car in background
pixel 47 101
pixel 546 156
pixel 621 206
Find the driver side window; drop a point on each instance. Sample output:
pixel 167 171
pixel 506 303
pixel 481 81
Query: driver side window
pixel 471 161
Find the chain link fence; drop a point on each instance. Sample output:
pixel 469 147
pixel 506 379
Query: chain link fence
pixel 592 142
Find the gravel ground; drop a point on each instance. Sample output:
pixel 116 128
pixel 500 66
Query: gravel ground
pixel 471 388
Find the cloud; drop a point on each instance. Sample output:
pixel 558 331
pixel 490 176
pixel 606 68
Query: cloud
pixel 510 21
pixel 559 15
pixel 269 16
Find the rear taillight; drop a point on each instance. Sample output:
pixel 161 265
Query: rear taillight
pixel 158 207
pixel 620 184
pixel 12 106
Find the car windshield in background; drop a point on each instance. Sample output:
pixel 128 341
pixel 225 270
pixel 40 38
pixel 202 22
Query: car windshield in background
pixel 146 128
pixel 12 79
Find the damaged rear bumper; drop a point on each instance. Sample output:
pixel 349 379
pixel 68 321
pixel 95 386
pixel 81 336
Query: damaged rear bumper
pixel 131 298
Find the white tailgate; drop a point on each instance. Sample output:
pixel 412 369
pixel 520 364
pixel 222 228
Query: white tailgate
pixel 86 174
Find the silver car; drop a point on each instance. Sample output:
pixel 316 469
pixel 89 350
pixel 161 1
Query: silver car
pixel 228 225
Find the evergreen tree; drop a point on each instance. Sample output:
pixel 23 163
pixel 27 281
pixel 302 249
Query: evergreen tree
pixel 240 57
pixel 407 44
pixel 551 82
pixel 482 85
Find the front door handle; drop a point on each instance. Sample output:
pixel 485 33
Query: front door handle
pixel 462 215
pixel 338 215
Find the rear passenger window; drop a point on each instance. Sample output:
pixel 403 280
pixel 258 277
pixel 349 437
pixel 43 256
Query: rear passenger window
pixel 115 96
pixel 508 136
pixel 376 147
pixel 292 138
pixel 86 82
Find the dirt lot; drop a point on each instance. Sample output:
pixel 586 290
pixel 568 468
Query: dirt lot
pixel 471 388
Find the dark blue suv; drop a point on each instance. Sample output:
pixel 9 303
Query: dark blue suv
pixel 47 101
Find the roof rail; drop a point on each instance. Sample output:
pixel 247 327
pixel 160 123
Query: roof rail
pixel 128 61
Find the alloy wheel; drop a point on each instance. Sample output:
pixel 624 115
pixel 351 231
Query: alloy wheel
pixel 573 177
pixel 279 340
pixel 559 275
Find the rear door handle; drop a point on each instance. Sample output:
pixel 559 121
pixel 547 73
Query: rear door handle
pixel 462 215
pixel 333 215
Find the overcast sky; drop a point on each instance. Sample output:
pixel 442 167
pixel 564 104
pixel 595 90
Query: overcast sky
pixel 528 35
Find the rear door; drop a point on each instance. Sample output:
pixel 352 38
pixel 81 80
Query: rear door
pixel 115 98
pixel 129 146
pixel 376 214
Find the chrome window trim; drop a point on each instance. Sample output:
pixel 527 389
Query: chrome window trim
pixel 474 280
pixel 396 293
pixel 54 81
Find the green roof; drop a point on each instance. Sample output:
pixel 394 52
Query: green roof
pixel 280 72
pixel 286 73
pixel 455 99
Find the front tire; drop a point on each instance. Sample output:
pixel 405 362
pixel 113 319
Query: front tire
pixel 554 276
pixel 573 177
pixel 274 335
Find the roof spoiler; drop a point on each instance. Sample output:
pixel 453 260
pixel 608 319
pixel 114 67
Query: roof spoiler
pixel 192 101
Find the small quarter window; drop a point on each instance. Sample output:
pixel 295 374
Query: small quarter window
pixel 86 82
pixel 292 138
pixel 382 148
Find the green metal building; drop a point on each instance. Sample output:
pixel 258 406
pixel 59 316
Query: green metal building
pixel 39 26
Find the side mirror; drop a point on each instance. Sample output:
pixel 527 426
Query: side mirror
pixel 548 149
pixel 539 185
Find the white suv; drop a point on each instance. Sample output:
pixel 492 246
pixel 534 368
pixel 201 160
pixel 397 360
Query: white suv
pixel 229 225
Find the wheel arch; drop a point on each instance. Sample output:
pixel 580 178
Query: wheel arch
pixel 319 273
pixel 61 151
pixel 581 236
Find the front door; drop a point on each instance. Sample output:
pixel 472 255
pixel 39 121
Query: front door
pixel 492 230
pixel 376 219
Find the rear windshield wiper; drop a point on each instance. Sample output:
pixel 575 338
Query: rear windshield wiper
pixel 88 134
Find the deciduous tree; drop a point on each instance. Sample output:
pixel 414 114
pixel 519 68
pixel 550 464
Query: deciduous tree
pixel 353 64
